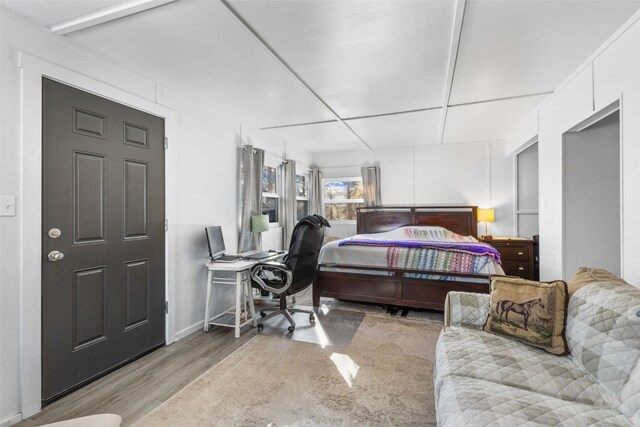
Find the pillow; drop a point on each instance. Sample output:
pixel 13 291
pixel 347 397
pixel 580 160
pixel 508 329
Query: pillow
pixel 586 276
pixel 532 312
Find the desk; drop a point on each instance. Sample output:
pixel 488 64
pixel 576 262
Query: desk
pixel 233 317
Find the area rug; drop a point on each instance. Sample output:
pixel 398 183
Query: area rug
pixel 384 377
pixel 371 309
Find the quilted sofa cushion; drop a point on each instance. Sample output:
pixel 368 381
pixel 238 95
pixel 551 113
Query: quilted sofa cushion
pixel 466 309
pixel 470 402
pixel 587 275
pixel 603 334
pixel 476 354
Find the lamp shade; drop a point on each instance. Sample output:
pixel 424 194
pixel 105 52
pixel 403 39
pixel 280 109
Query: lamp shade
pixel 259 223
pixel 486 215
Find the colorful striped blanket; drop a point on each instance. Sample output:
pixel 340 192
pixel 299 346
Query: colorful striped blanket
pixel 435 260
pixel 474 248
pixel 435 249
pixel 437 234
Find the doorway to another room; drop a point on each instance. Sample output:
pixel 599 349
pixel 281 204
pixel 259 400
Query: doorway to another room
pixel 592 195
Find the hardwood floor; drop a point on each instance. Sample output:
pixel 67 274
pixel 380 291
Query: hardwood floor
pixel 137 388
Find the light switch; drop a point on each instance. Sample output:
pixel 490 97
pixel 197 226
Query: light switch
pixel 7 205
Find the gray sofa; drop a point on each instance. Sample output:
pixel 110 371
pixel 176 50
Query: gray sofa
pixel 484 379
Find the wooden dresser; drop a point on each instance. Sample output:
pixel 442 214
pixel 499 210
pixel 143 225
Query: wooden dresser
pixel 517 256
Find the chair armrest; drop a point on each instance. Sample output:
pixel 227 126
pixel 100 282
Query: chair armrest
pixel 466 309
pixel 272 276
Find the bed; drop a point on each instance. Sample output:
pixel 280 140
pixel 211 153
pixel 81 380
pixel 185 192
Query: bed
pixel 364 269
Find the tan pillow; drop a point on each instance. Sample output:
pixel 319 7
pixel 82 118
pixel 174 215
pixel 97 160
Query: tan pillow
pixel 586 276
pixel 532 312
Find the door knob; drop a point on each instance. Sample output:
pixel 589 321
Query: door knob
pixel 55 256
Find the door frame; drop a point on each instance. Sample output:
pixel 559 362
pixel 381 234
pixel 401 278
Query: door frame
pixel 32 70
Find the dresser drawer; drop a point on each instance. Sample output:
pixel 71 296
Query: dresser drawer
pixel 514 268
pixel 515 252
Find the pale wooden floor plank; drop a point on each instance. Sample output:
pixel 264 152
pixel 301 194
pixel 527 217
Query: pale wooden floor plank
pixel 137 388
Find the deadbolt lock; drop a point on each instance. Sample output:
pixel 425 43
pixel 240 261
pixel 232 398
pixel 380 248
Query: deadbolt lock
pixel 55 256
pixel 54 233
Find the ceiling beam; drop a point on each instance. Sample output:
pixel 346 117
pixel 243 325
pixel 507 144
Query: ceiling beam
pixel 504 98
pixel 293 125
pixel 106 15
pixel 234 13
pixel 456 35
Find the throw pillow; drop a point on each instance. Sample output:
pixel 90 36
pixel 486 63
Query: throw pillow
pixel 586 276
pixel 532 312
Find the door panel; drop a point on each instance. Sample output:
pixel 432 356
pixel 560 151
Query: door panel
pixel 89 311
pixel 135 135
pixel 137 299
pixel 135 199
pixel 103 187
pixel 89 192
pixel 88 123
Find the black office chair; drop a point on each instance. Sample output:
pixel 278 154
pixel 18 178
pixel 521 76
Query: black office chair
pixel 297 271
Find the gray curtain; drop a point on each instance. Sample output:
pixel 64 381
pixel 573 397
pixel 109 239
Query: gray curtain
pixel 251 164
pixel 371 185
pixel 287 203
pixel 315 192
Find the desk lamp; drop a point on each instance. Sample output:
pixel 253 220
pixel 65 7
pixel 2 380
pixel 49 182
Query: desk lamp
pixel 486 215
pixel 259 224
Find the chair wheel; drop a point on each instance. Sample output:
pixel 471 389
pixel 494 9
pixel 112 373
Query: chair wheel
pixel 292 328
pixel 260 326
pixel 262 313
pixel 312 318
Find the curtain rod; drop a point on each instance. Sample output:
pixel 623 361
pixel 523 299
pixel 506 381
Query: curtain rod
pixel 348 166
pixel 284 161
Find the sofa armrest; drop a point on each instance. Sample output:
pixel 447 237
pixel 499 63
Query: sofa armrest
pixel 466 309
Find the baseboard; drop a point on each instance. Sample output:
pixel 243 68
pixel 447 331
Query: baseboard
pixel 187 331
pixel 11 421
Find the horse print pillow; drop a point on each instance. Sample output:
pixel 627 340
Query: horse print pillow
pixel 531 312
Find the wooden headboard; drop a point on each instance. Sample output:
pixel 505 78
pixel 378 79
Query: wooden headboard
pixel 459 219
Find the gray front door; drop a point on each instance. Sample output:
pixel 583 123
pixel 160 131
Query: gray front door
pixel 103 288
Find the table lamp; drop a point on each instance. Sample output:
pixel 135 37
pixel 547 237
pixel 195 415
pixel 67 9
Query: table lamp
pixel 486 215
pixel 259 224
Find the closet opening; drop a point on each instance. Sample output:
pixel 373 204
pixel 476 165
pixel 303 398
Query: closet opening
pixel 592 194
pixel 527 192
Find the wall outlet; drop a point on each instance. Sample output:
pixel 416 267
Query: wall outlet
pixel 553 258
pixel 7 205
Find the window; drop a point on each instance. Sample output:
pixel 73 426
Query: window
pixel 341 197
pixel 302 197
pixel 270 193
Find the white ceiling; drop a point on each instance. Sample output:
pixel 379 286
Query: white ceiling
pixel 356 54
pixel 378 73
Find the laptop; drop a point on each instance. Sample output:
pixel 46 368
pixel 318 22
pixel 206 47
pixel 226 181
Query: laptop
pixel 216 245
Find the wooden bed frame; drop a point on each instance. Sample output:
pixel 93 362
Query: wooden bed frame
pixel 395 288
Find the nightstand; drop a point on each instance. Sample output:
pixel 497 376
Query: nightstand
pixel 517 256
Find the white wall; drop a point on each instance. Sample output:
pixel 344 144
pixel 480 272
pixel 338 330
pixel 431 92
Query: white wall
pixel 206 187
pixel 472 174
pixel 610 74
